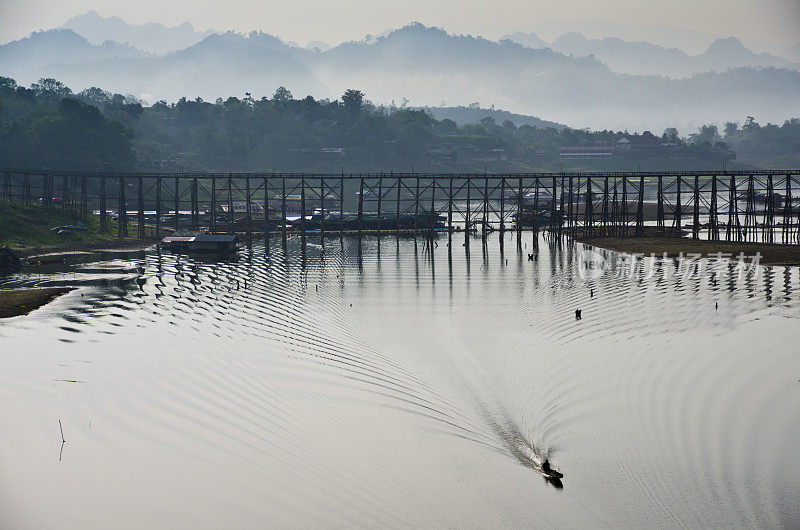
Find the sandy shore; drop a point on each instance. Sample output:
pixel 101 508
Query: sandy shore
pixel 15 302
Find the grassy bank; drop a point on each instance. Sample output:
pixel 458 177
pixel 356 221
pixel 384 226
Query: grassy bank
pixel 771 254
pixel 27 230
pixel 15 302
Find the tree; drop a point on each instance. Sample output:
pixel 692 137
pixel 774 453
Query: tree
pixel 353 99
pixel 282 95
pixel 731 129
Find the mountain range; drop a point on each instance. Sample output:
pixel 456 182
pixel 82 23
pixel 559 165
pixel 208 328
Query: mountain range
pixel 599 83
pixel 641 57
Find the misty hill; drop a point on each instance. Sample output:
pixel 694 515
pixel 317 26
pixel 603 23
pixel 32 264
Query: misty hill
pixel 691 41
pixel 221 64
pixel 151 37
pixel 35 52
pixel 645 58
pixel 426 66
pixel 474 114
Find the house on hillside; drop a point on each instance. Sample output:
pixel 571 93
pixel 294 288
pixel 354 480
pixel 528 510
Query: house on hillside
pixel 586 152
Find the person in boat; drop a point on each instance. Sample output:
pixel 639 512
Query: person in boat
pixel 550 471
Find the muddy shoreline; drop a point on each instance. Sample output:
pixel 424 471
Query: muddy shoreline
pixel 16 302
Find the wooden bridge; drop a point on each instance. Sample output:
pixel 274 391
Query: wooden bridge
pixel 753 205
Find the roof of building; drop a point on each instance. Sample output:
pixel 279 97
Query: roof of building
pixel 216 238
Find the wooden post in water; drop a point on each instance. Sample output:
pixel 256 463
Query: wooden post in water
pixel 230 203
pixel 158 207
pixel 103 220
pixel 140 209
pixel 640 209
pixel 615 208
pixel 397 212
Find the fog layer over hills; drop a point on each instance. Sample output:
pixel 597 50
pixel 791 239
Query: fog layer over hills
pixel 599 86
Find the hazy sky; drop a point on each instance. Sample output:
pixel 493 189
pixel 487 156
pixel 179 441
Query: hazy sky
pixel 335 21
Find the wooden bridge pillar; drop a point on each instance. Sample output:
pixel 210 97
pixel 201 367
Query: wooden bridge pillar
pixel 416 209
pixel 640 209
pixel 303 215
pixel 767 234
pixel 733 212
pixel 361 209
pixel 194 207
pixel 103 219
pixel 322 212
pixel 397 211
pixel 266 215
pixel 696 209
pixel 787 211
pixel 158 207
pixel 122 217
pixel 660 209
pixel 248 211
pixel 520 199
pixel 713 229
pixel 84 200
pixel 678 207
pixel 380 210
pixel 140 209
pixel 485 219
pixel 176 200
pixel 213 203
pixel 571 223
pixel 450 207
pixel 605 206
pixel 588 212
pixel 230 203
pixel 283 211
pixel 467 213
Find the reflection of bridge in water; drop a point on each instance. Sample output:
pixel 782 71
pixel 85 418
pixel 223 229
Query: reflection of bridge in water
pixel 740 206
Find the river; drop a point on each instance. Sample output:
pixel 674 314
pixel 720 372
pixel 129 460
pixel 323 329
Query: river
pixel 405 386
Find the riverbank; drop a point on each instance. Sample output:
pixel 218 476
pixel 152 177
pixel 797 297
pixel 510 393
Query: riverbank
pixel 16 302
pixel 28 231
pixel 771 254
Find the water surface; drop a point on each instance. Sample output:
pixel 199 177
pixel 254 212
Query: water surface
pixel 401 387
